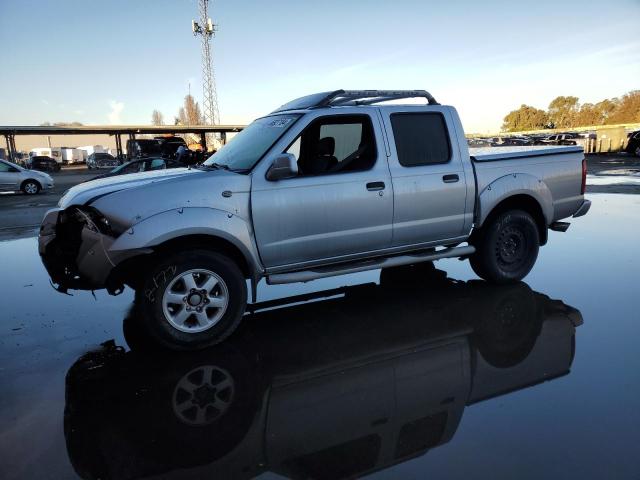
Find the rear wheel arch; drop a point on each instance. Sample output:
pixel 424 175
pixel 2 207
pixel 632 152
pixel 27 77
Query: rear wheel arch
pixel 522 202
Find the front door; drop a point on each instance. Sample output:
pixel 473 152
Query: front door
pixel 8 177
pixel 341 202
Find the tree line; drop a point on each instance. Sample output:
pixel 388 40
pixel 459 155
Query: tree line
pixel 567 112
pixel 188 114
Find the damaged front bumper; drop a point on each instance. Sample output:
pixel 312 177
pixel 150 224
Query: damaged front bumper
pixel 75 251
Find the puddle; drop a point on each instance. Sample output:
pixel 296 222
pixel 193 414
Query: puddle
pixel 398 374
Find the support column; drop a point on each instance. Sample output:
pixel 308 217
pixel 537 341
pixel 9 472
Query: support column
pixel 118 145
pixel 203 142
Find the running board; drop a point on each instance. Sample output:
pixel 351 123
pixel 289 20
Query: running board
pixel 364 265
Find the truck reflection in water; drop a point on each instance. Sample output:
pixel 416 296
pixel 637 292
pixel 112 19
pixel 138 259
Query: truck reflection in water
pixel 326 389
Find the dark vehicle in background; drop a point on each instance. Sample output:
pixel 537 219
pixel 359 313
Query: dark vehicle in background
pixel 165 147
pixel 170 145
pixel 478 142
pixel 43 164
pixel 510 142
pixel 141 147
pixel 561 139
pixel 142 165
pixel 633 143
pixel 101 160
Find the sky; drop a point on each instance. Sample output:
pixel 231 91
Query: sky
pixel 114 62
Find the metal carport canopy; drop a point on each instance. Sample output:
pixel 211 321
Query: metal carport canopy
pixel 118 129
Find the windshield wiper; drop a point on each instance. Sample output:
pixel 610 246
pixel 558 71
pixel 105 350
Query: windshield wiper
pixel 212 166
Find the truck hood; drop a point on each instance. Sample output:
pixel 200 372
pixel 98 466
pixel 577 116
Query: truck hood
pixel 86 192
pixel 129 199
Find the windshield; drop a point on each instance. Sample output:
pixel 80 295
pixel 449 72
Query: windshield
pixel 245 149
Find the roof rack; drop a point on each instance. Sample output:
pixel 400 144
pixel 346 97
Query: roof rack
pixel 353 97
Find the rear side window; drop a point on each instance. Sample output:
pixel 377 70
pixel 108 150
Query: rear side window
pixel 421 138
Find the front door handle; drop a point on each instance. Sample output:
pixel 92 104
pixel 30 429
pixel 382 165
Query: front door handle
pixel 453 178
pixel 374 186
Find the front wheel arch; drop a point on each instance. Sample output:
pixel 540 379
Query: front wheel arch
pixel 131 269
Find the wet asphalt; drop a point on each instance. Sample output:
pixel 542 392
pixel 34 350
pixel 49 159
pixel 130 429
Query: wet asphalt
pixel 409 373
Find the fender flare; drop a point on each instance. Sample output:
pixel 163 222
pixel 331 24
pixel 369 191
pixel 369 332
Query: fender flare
pixel 511 185
pixel 181 222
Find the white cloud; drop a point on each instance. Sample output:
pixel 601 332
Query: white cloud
pixel 116 110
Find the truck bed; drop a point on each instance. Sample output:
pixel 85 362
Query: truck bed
pixel 556 170
pixel 490 154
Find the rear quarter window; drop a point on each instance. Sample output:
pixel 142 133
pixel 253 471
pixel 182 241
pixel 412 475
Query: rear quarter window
pixel 421 138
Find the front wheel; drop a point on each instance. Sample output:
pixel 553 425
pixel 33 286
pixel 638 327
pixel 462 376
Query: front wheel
pixel 506 248
pixel 192 300
pixel 30 187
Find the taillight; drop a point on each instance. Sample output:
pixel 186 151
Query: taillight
pixel 584 176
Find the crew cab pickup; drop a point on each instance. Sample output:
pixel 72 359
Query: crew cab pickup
pixel 328 184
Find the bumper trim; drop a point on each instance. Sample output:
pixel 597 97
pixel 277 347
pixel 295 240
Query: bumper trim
pixel 584 208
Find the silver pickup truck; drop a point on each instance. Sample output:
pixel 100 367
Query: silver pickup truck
pixel 328 184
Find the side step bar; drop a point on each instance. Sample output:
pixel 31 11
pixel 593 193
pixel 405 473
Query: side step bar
pixel 361 266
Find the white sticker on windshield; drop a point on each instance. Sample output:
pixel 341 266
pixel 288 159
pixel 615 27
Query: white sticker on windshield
pixel 281 122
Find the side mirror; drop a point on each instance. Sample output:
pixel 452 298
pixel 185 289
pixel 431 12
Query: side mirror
pixel 283 166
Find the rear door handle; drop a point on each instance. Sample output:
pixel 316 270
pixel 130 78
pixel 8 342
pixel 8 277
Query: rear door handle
pixel 453 178
pixel 373 186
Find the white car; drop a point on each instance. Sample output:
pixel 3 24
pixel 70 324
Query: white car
pixel 14 178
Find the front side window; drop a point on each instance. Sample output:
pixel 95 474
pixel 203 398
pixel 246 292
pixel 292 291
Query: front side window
pixel 248 147
pixel 4 167
pixel 336 144
pixel 421 138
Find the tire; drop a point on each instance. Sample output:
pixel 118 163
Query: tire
pixel 509 325
pixel 192 300
pixel 30 187
pixel 506 248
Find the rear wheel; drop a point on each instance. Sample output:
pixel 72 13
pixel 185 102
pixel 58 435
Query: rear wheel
pixel 506 248
pixel 30 187
pixel 192 300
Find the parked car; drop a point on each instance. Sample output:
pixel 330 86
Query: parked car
pixel 325 185
pixel 142 165
pixel 101 160
pixel 14 178
pixel 633 143
pixel 42 163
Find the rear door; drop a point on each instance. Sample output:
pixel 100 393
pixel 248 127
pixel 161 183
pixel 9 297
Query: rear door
pixel 341 203
pixel 427 173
